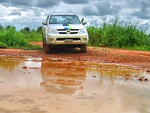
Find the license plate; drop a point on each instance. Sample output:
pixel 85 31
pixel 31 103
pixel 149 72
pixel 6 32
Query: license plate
pixel 68 40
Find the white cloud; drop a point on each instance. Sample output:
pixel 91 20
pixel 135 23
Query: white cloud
pixel 4 11
pixel 31 13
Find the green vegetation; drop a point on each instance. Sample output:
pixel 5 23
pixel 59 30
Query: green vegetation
pixel 114 33
pixel 32 35
pixel 119 35
pixel 10 38
pixel 2 45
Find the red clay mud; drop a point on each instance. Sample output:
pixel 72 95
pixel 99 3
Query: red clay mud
pixel 140 59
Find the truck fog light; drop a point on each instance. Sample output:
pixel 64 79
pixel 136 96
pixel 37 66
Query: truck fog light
pixel 85 39
pixel 51 39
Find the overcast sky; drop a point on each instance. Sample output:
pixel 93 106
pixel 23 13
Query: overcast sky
pixel 30 13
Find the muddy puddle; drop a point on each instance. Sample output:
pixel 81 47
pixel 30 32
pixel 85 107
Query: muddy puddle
pixel 51 85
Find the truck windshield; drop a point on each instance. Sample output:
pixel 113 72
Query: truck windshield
pixel 64 19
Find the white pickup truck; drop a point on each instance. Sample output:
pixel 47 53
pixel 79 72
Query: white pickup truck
pixel 64 30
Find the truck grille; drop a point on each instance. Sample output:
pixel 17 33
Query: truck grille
pixel 63 39
pixel 68 31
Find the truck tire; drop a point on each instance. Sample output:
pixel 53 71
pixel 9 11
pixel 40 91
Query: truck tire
pixel 46 47
pixel 42 40
pixel 83 48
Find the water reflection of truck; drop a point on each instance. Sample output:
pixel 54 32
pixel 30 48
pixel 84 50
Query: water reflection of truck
pixel 65 78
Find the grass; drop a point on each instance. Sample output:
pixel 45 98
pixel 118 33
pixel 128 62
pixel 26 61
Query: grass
pixel 119 35
pixel 10 38
pixel 115 33
pixel 33 36
pixel 2 45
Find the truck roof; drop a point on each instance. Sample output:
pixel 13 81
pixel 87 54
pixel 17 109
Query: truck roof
pixel 63 14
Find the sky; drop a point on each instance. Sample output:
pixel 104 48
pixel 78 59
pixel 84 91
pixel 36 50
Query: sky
pixel 22 13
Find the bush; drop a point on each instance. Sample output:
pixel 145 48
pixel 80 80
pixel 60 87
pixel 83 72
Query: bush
pixel 15 39
pixel 33 36
pixel 2 45
pixel 12 38
pixel 114 33
pixel 120 35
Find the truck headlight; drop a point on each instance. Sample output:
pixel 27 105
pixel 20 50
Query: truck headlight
pixel 82 31
pixel 53 31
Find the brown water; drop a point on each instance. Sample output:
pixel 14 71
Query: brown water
pixel 48 85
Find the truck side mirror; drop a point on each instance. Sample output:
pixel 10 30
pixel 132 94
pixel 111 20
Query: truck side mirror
pixel 83 21
pixel 44 23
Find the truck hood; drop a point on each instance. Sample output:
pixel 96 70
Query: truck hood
pixel 61 26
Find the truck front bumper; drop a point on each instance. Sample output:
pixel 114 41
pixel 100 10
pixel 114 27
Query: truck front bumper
pixel 67 39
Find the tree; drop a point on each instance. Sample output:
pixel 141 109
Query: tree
pixel 26 30
pixel 7 27
pixel 1 27
pixel 39 29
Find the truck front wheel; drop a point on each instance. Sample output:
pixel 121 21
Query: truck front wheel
pixel 46 47
pixel 83 48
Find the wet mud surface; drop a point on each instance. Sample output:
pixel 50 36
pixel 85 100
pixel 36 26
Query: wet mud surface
pixel 53 85
pixel 140 59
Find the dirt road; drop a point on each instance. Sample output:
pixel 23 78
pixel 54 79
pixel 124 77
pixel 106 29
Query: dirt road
pixel 140 59
pixel 71 82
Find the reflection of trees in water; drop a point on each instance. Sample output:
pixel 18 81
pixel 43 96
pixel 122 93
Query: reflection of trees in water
pixel 9 63
pixel 113 72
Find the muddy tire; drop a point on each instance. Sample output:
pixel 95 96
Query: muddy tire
pixel 46 47
pixel 43 40
pixel 83 48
